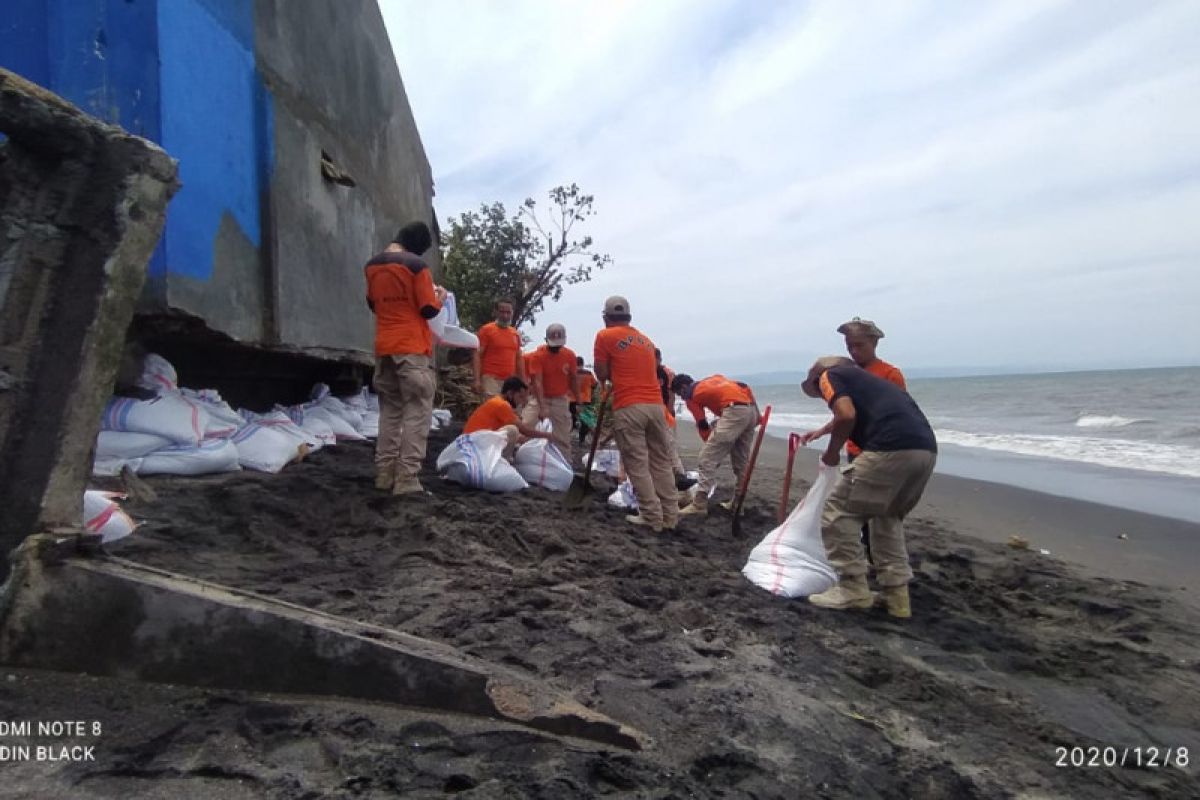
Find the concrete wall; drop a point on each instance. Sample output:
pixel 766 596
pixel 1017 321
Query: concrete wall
pixel 247 95
pixel 336 88
pixel 82 204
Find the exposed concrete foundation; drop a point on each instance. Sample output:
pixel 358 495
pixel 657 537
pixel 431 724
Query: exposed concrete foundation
pixel 81 208
pixel 157 626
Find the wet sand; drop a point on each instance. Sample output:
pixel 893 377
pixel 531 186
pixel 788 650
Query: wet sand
pixel 1010 655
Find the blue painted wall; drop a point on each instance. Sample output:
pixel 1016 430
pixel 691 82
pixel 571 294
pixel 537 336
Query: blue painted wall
pixel 178 72
pixel 216 121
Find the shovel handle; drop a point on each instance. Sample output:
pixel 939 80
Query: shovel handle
pixel 793 446
pixel 596 434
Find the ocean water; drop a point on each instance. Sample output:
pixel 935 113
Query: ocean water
pixel 1128 438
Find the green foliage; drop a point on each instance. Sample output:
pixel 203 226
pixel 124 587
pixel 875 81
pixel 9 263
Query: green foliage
pixel 529 257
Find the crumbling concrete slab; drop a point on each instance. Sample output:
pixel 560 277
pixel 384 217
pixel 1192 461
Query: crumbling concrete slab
pixel 82 205
pixel 107 616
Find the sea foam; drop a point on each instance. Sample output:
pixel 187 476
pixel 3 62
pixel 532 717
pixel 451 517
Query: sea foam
pixel 1106 421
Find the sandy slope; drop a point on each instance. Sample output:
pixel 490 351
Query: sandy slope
pixel 746 695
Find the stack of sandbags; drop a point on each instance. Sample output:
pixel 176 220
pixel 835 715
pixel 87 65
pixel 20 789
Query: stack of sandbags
pixel 174 432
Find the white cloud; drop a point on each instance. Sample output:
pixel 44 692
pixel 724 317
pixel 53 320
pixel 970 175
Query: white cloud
pixel 764 171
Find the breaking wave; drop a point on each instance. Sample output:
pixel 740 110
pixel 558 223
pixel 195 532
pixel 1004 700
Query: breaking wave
pixel 1106 421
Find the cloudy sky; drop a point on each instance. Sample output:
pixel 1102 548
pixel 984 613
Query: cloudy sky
pixel 997 184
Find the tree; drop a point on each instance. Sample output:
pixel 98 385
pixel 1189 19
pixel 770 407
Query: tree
pixel 529 257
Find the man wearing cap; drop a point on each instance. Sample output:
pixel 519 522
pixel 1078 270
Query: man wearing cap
pixel 499 352
pixel 555 382
pixel 401 294
pixel 862 338
pixel 733 434
pixel 625 355
pixel 882 485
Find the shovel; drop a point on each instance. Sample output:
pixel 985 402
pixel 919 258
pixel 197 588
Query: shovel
pixel 581 485
pixel 793 446
pixel 740 497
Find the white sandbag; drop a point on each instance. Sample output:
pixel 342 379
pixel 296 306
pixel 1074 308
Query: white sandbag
pixel 790 561
pixel 318 431
pixel 158 374
pixel 112 466
pixel 623 496
pixel 451 306
pixel 170 415
pixel 443 416
pixel 214 455
pixel 477 460
pixel 437 325
pixel 102 515
pixel 269 448
pixel 370 424
pixel 223 421
pixel 337 407
pixel 454 336
pixel 541 463
pixel 342 429
pixel 608 462
pixel 127 444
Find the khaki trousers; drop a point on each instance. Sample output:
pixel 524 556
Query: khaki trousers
pixel 676 461
pixel 732 436
pixel 405 385
pixel 645 444
pixel 882 488
pixel 558 411
pixel 491 385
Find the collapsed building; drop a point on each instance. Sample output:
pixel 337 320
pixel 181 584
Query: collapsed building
pixel 280 136
pixel 298 158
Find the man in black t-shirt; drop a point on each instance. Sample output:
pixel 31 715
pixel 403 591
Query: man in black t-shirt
pixel 882 485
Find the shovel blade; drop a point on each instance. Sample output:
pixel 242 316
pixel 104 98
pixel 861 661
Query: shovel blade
pixel 578 491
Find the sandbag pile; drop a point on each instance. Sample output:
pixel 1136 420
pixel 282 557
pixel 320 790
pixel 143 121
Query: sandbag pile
pixel 182 431
pixel 477 460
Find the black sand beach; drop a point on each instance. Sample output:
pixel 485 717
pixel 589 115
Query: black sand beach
pixel 1010 656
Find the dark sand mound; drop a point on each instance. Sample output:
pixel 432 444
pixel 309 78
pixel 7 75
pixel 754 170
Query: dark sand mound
pixel 1010 655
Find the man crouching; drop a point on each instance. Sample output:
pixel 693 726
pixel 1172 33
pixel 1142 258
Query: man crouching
pixel 882 485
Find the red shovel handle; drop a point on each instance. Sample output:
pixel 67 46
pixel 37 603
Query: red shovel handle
pixel 793 446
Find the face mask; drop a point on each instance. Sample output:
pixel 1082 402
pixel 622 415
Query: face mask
pixel 502 323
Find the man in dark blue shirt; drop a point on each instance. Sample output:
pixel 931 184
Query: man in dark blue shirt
pixel 882 485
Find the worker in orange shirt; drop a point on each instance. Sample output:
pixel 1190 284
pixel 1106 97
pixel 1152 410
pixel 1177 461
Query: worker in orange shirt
pixel 499 353
pixel 862 338
pixel 554 384
pixel 499 413
pixel 733 404
pixel 625 355
pixel 401 294
pixel 587 383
